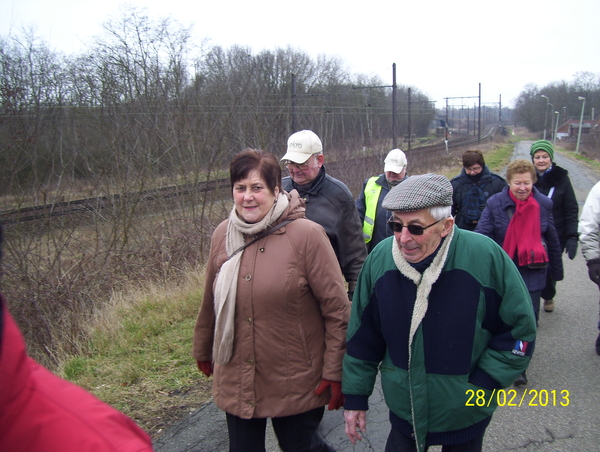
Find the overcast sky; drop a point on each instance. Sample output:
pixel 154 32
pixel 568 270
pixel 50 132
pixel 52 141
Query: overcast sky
pixel 443 48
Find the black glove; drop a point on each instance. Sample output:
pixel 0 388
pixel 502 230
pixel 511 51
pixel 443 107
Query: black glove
pixel 351 287
pixel 571 247
pixel 594 270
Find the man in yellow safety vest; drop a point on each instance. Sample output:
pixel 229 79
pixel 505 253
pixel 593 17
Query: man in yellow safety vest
pixel 373 216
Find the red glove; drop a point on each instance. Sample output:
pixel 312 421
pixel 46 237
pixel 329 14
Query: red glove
pixel 205 367
pixel 337 398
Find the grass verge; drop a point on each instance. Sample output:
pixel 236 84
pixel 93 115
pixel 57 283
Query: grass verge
pixel 593 165
pixel 138 358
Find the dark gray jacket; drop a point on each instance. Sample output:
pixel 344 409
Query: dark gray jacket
pixel 329 203
pixel 491 183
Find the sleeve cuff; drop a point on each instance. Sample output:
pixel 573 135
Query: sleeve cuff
pixel 482 379
pixel 356 402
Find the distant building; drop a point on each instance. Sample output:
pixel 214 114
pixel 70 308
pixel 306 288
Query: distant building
pixel 570 129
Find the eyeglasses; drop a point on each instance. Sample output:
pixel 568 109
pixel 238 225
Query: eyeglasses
pixel 414 229
pixel 473 169
pixel 299 166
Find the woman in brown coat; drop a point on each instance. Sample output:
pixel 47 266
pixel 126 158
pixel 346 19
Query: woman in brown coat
pixel 272 324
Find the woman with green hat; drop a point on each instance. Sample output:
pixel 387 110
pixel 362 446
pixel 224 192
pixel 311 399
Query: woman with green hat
pixel 553 181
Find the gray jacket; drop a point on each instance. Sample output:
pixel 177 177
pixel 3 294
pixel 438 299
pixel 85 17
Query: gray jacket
pixel 329 203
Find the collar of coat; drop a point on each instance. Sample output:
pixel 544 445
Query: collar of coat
pixel 313 187
pixel 423 281
pixel 552 177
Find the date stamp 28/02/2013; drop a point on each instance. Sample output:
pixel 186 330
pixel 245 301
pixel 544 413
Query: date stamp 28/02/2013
pixel 511 397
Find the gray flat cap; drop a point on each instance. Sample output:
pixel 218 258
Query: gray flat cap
pixel 419 192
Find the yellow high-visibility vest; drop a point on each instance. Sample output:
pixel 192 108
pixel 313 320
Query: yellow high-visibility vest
pixel 372 191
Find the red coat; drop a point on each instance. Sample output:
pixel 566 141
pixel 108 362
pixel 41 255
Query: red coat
pixel 40 412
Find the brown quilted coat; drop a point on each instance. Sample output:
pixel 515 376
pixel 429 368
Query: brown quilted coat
pixel 290 322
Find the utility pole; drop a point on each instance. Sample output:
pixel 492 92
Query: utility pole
pixel 447 120
pixel 479 122
pixel 393 86
pixel 555 127
pixel 409 124
pixel 545 114
pixel 500 109
pixel 394 141
pixel 294 103
pixel 580 124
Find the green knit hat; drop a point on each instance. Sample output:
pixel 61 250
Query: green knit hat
pixel 543 145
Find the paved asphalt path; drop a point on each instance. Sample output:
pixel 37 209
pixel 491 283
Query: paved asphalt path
pixel 564 360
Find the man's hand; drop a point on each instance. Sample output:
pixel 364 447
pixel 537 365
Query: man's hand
pixel 356 422
pixel 351 287
pixel 571 247
pixel 594 270
pixel 205 367
pixel 337 398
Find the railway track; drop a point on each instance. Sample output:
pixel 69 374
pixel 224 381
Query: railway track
pixel 96 205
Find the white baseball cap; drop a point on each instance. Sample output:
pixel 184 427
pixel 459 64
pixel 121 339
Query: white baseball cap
pixel 395 161
pixel 301 145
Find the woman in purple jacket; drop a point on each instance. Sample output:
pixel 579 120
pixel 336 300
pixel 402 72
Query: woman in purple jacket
pixel 519 219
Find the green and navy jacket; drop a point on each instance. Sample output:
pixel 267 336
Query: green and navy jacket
pixel 477 334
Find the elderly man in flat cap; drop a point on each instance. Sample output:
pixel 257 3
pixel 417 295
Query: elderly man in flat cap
pixel 445 315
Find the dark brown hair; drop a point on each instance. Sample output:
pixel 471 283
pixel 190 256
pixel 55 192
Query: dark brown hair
pixel 473 157
pixel 254 159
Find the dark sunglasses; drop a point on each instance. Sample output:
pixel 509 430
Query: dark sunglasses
pixel 414 229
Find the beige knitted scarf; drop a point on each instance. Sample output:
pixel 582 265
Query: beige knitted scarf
pixel 227 278
pixel 423 281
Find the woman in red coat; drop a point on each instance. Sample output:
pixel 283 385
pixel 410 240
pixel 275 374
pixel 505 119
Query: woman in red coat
pixel 40 412
pixel 43 413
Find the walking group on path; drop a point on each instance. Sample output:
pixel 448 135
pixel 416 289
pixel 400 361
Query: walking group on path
pixel 420 300
pixel 432 309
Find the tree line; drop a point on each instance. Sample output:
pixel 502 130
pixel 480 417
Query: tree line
pixel 145 100
pixel 535 112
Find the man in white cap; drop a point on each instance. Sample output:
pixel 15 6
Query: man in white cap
pixel 446 318
pixel 329 202
pixel 373 216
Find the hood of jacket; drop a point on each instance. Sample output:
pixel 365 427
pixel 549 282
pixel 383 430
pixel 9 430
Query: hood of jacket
pixel 296 208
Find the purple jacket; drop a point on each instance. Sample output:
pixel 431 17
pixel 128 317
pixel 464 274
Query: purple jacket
pixel 494 223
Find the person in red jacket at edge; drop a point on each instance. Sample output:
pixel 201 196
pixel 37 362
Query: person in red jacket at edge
pixel 40 412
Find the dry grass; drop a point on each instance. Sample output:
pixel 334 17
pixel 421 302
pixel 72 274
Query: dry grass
pixel 138 358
